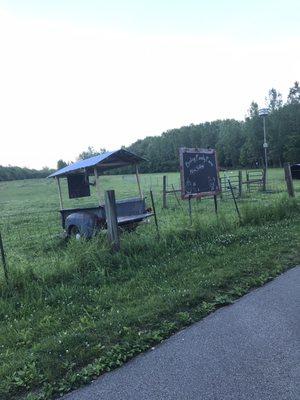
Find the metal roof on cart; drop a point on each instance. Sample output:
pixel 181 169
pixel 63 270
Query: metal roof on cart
pixel 102 162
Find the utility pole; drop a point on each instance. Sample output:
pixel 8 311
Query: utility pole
pixel 264 112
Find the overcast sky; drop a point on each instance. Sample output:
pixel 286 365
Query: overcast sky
pixel 85 73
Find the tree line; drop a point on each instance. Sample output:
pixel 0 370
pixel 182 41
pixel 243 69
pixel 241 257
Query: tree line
pixel 16 173
pixel 238 143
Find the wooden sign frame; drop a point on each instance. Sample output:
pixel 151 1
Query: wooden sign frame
pixel 184 150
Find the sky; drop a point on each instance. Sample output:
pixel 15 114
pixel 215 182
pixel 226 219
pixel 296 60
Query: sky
pixel 99 73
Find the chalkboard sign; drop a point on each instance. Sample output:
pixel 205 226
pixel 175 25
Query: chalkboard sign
pixel 199 173
pixel 78 185
pixel 295 170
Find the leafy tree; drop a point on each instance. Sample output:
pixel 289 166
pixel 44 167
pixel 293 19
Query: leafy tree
pixel 230 142
pixel 61 164
pixel 252 150
pixel 274 100
pixel 11 173
pixel 90 152
pixel 237 142
pixel 294 94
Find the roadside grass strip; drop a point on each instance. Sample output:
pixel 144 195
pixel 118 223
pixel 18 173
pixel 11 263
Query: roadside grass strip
pixel 81 310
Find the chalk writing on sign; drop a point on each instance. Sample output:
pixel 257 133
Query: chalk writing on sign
pixel 199 172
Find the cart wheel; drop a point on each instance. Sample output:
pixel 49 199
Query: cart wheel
pixel 129 228
pixel 74 232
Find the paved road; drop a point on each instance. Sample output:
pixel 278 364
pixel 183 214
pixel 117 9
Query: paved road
pixel 249 350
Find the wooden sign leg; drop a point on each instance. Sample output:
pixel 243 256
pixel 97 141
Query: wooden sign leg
pixel 216 204
pixel 190 209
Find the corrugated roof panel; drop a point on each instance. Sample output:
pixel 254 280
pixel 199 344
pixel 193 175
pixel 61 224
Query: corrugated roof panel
pixel 123 157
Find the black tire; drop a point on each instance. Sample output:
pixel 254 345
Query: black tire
pixel 74 232
pixel 129 228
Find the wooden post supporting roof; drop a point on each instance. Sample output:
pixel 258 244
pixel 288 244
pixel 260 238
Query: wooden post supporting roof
pixel 59 193
pixel 138 181
pixel 154 212
pixel 97 185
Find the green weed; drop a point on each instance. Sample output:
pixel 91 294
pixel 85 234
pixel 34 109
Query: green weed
pixel 73 310
pixel 275 210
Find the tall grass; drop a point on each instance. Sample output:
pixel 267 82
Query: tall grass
pixel 73 309
pixel 279 208
pixel 92 259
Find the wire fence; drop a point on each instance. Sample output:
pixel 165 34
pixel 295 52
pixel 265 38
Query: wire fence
pixel 30 223
pixel 30 227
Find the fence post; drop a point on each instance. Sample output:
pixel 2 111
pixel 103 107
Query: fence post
pixel 234 199
pixel 248 183
pixel 289 180
pixel 3 259
pixel 264 179
pixel 240 183
pixel 111 219
pixel 165 191
pixel 154 212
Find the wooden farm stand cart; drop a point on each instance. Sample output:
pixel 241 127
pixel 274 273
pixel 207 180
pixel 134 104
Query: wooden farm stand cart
pixel 86 221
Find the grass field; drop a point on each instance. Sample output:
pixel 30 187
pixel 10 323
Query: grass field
pixel 73 310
